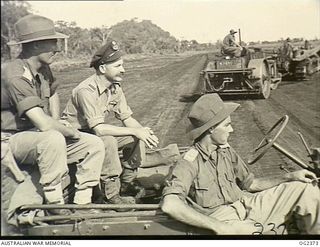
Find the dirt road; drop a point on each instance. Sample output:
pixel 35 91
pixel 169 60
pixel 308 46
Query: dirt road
pixel 154 87
pixel 298 100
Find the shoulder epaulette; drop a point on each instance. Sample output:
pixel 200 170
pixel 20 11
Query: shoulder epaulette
pixel 191 155
pixel 27 74
pixel 92 87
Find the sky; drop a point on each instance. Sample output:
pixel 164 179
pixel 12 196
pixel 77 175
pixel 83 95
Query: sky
pixel 202 20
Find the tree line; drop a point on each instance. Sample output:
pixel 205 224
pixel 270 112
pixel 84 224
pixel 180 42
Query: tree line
pixel 134 36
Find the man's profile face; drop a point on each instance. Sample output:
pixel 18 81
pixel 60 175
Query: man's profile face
pixel 221 132
pixel 113 71
pixel 47 49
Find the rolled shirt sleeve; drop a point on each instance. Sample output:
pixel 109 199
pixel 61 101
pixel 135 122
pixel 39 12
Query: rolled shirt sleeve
pixel 23 95
pixel 88 107
pixel 183 175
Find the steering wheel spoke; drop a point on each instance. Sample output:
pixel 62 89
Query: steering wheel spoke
pixel 268 140
pixel 261 145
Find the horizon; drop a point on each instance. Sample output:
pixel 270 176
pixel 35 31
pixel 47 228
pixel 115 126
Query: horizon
pixel 204 21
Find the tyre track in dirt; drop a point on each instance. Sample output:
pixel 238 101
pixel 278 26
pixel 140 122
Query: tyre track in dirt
pixel 154 86
pixel 255 117
pixel 157 103
pixel 300 100
pixel 163 111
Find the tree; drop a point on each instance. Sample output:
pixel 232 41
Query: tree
pixel 11 12
pixel 101 34
pixel 80 40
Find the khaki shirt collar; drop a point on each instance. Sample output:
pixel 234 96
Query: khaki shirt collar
pixel 27 66
pixel 102 83
pixel 206 151
pixel 29 73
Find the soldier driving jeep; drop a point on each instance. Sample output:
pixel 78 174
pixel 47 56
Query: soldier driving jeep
pixel 211 186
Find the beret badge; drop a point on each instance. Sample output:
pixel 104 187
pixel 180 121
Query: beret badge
pixel 115 46
pixel 108 53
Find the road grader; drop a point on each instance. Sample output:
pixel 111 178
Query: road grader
pixel 303 64
pixel 254 75
pixel 142 219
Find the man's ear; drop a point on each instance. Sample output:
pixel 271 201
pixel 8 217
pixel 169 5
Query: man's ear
pixel 102 68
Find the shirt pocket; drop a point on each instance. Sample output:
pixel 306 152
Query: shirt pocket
pixel 111 104
pixel 105 107
pixel 231 188
pixel 230 179
pixel 104 104
pixel 229 173
pixel 202 192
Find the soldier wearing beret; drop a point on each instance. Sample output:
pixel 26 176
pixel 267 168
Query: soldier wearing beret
pixel 92 101
pixel 29 113
pixel 211 186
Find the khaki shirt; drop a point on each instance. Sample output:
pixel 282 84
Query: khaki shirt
pixel 21 91
pixel 92 101
pixel 229 40
pixel 210 180
pixel 287 50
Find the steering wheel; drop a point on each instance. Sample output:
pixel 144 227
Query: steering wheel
pixel 268 140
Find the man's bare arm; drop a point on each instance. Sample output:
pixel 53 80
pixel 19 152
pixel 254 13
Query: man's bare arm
pixel 54 106
pixel 132 123
pixel 112 130
pixel 44 123
pixel 178 210
pixel 234 42
pixel 132 127
pixel 260 184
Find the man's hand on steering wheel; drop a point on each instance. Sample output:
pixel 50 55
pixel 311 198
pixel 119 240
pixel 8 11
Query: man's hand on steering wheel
pixel 303 175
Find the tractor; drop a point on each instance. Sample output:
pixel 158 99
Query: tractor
pixel 303 63
pixel 256 75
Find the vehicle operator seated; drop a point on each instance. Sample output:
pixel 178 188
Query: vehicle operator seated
pixel 230 47
pixel 287 49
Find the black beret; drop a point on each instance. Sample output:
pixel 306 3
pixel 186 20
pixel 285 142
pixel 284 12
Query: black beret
pixel 108 53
